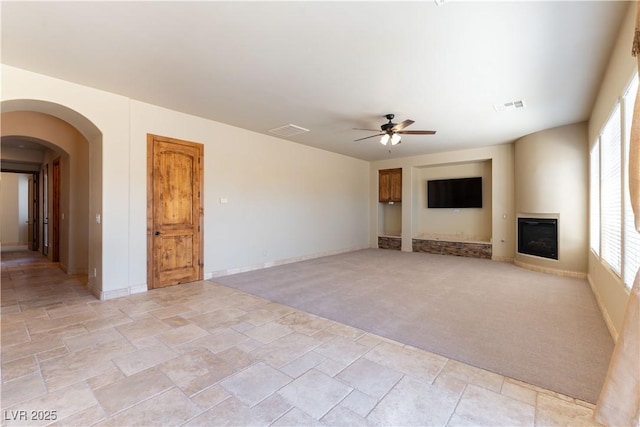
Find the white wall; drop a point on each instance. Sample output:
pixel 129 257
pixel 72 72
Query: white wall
pixel 501 187
pixel 286 201
pixel 390 219
pixel 610 292
pixel 551 170
pixel 9 209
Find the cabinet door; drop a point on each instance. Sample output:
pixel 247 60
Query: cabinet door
pixel 395 185
pixel 384 186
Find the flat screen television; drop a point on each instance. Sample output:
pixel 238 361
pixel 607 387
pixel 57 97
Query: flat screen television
pixel 455 193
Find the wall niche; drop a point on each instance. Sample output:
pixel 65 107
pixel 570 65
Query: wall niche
pixel 453 224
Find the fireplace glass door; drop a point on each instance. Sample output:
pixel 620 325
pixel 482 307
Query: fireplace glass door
pixel 538 236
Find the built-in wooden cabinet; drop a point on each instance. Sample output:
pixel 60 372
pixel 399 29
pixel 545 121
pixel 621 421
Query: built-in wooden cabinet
pixel 390 185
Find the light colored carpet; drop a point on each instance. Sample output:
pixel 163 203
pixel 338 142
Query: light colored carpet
pixel 538 328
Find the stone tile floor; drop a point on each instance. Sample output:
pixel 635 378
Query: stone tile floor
pixel 204 354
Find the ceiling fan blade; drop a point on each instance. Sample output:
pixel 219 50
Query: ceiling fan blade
pixel 402 125
pixel 367 137
pixel 417 132
pixel 370 130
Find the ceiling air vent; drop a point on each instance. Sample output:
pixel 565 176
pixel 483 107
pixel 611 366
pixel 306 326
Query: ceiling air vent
pixel 509 106
pixel 288 130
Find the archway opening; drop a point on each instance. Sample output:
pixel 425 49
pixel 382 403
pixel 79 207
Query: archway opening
pixel 70 144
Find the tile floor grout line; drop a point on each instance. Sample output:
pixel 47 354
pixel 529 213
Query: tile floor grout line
pixel 404 375
pixel 440 371
pixel 455 408
pixel 104 410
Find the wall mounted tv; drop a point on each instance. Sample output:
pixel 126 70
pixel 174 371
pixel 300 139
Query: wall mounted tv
pixel 455 193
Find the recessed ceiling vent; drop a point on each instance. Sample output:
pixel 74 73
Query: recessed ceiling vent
pixel 288 130
pixel 509 106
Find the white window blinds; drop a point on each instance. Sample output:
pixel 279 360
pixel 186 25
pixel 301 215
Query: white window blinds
pixel 611 192
pixel 594 198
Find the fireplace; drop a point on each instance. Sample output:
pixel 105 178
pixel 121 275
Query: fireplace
pixel 538 236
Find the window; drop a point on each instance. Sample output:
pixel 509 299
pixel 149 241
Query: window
pixel 611 192
pixel 613 236
pixel 594 198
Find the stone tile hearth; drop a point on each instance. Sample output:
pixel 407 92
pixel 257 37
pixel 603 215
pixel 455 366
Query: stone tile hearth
pixel 443 247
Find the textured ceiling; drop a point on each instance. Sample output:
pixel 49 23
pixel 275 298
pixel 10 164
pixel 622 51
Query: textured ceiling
pixel 333 66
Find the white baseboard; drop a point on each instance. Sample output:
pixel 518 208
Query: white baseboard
pixel 502 258
pixel 554 271
pixel 94 290
pixel 603 310
pixel 117 293
pixel 227 272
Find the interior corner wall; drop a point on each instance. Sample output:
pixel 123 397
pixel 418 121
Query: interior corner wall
pixel 551 176
pixel 610 292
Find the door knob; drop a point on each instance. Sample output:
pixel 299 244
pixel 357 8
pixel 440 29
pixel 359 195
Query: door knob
pixel 157 233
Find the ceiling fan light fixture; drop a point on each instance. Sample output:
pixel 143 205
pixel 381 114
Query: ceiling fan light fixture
pixel 390 133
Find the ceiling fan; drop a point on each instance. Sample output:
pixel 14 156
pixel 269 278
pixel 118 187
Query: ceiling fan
pixel 390 132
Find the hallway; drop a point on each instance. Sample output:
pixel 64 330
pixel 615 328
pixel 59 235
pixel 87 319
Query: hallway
pixel 30 281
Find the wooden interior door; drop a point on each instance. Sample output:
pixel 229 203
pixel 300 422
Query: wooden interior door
pixel 45 210
pixel 55 211
pixel 174 211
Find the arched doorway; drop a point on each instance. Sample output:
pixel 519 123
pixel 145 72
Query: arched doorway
pixel 72 145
